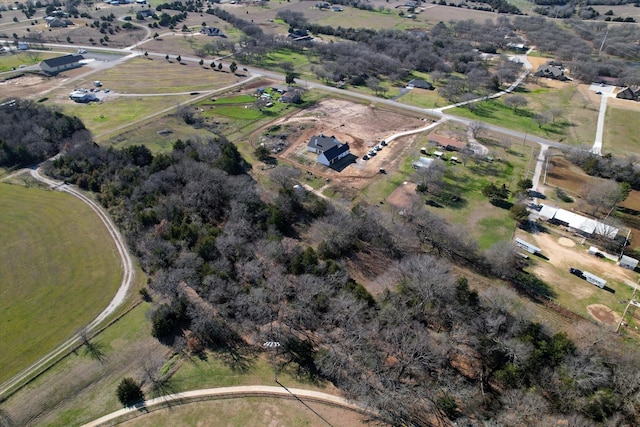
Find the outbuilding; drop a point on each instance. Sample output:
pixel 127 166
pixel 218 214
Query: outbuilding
pixel 532 249
pixel 593 279
pixel 628 262
pixel 61 63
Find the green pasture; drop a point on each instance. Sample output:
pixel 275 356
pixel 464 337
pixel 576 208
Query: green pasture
pixel 576 123
pixel 356 18
pixel 578 303
pixel 147 134
pixel 58 269
pixel 117 112
pixel 169 77
pixel 621 131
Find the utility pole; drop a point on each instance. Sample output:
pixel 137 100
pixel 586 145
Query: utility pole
pixel 274 345
pixel 631 301
pixel 603 40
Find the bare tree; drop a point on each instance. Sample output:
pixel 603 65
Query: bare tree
pixel 542 119
pixel 477 128
pixel 602 194
pixel 93 349
pixel 515 102
pixel 503 259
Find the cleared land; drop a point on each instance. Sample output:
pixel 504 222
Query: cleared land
pixel 621 135
pixel 58 269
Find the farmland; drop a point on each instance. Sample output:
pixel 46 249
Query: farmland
pixel 59 270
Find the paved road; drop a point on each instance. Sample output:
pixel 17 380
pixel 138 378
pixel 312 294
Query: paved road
pixel 125 285
pixel 225 393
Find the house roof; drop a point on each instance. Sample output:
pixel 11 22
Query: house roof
pixel 579 222
pixel 422 162
pixel 335 151
pixel 322 143
pixel 62 60
pixel 420 84
pixel 445 141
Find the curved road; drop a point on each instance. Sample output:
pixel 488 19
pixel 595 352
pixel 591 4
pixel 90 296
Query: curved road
pixel 127 278
pixel 224 393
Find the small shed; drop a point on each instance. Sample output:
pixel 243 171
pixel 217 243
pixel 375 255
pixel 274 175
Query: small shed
pixel 593 279
pixel 628 262
pixel 527 246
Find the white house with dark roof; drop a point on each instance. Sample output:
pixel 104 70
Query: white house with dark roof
pixel 328 149
pixel 61 63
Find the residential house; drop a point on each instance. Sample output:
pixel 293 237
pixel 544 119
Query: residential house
pixel 82 96
pixel 447 143
pixel 631 93
pixel 145 13
pixel 292 97
pixel 300 35
pixel 328 149
pixel 213 32
pixel 61 63
pixel 420 84
pixel 53 22
pixel 552 70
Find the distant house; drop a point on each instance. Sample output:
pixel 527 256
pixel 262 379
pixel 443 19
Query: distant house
pixel 145 13
pixel 300 35
pixel 447 143
pixel 213 32
pixel 323 5
pixel 292 97
pixel 552 70
pixel 630 93
pixel 61 63
pixel 328 149
pixel 57 22
pixel 420 84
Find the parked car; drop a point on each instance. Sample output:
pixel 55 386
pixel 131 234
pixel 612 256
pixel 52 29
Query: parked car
pixel 383 143
pixel 365 157
pixel 576 272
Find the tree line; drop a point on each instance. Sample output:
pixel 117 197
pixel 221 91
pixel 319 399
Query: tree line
pixel 231 270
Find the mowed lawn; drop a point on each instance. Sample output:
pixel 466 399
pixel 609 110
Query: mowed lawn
pixel 59 269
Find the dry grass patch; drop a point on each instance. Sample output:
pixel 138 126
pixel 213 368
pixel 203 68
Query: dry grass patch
pixel 169 77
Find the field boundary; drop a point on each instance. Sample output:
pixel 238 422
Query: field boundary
pixel 282 392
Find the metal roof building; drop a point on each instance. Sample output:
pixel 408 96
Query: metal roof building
pixel 578 222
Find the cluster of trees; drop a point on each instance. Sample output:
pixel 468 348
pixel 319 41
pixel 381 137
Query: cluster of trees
pixel 182 6
pixel 249 28
pixel 31 133
pixel 620 169
pixel 428 348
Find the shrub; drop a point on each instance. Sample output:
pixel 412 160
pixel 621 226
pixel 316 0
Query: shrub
pixel 129 392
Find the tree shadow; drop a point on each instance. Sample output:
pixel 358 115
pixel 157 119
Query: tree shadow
pixel 501 203
pixel 532 285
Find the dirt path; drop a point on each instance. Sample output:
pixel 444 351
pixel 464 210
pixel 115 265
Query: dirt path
pixel 225 393
pixel 14 383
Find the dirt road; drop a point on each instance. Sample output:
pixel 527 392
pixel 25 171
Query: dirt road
pixel 224 393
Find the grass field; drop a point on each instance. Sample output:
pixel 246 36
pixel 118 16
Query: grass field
pixel 169 77
pixel 108 116
pixel 58 270
pixel 621 135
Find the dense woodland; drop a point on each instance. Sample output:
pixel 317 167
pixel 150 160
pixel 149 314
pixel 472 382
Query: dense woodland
pixel 31 133
pixel 451 50
pixel 233 265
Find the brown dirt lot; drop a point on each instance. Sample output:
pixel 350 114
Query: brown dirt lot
pixel 402 197
pixel 362 126
pixel 603 314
